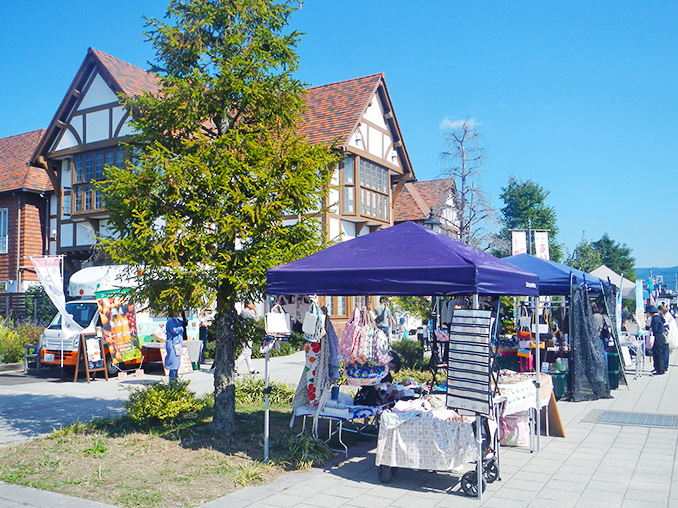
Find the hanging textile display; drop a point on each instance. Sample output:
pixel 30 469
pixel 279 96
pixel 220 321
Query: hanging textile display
pixel 321 369
pixel 590 378
pixel 314 323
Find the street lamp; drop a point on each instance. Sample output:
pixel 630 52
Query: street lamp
pixel 432 222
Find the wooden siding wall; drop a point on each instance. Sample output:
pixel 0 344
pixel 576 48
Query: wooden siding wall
pixel 32 238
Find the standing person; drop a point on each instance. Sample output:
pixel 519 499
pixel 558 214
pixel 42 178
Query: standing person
pixel 659 355
pixel 174 331
pixel 249 312
pixel 384 316
pixel 205 322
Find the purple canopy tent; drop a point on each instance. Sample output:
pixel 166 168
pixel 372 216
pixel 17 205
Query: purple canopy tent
pixel 403 260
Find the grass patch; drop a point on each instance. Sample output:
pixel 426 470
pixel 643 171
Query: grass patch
pixel 131 463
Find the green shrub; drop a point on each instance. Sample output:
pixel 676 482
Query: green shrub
pixel 12 343
pixel 306 451
pixel 411 354
pixel 250 390
pixel 39 307
pixel 420 376
pixel 163 403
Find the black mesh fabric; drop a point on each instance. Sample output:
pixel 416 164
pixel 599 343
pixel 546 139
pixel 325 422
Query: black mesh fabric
pixel 589 374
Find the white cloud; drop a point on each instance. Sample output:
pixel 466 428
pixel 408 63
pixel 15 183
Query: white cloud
pixel 455 124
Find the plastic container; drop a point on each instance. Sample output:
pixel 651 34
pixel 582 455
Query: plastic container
pixel 561 364
pixel 612 362
pixel 614 379
pixel 559 384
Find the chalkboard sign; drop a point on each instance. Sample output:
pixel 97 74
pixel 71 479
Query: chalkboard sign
pixel 91 350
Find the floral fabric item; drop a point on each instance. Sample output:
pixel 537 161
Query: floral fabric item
pixel 311 368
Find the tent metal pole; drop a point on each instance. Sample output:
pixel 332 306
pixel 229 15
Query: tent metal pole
pixel 266 392
pixel 479 434
pixel 537 368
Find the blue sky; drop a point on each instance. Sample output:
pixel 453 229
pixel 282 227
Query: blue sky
pixel 582 99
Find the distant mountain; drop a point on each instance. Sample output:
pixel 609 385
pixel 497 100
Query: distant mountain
pixel 669 274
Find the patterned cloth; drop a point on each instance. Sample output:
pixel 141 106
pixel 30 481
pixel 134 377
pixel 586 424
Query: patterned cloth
pixel 423 440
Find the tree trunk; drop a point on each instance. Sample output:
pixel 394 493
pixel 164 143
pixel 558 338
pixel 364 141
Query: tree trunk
pixel 224 363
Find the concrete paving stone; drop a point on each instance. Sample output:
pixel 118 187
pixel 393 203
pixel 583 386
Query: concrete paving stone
pixel 549 500
pixel 387 492
pixel 604 494
pixel 529 485
pixel 503 503
pixel 538 477
pixel 566 485
pixel 282 500
pixel 368 501
pixel 324 500
pixel 519 494
pixel 576 476
pixel 646 495
pixel 225 502
pixel 586 503
pixel 412 501
pixel 640 503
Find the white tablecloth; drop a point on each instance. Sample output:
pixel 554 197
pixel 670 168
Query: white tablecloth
pixel 522 395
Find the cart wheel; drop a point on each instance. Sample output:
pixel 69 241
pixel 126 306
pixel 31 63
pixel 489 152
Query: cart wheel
pixel 469 484
pixel 491 472
pixel 385 474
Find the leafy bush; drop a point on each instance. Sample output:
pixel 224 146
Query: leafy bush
pixel 306 451
pixel 163 403
pixel 12 342
pixel 420 376
pixel 411 354
pixel 250 390
pixel 39 307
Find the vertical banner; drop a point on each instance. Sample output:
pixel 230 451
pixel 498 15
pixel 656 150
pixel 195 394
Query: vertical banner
pixel 640 304
pixel 618 307
pixel 48 270
pixel 118 322
pixel 541 245
pixel 518 243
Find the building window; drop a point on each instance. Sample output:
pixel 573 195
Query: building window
pixel 379 172
pixel 347 165
pixel 78 198
pixel 4 231
pixel 362 201
pixel 66 205
pixel 78 169
pixel 348 199
pixel 330 307
pixel 99 165
pixel 89 167
pixel 341 305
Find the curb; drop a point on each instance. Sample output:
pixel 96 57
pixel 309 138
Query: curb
pixel 11 367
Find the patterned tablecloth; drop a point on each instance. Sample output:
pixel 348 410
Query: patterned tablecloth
pixel 424 440
pixel 522 395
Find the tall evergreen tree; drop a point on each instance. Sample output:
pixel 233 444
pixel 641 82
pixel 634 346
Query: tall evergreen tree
pixel 525 207
pixel 615 256
pixel 218 164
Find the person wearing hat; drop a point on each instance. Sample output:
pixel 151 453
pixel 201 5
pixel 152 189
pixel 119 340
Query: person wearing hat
pixel 660 346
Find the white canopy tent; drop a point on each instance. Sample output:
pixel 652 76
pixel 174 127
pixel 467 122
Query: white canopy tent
pixel 628 288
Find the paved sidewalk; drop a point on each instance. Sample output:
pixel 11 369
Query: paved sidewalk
pixel 597 465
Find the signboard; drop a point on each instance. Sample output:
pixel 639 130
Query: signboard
pixel 118 323
pixel 185 367
pixel 91 350
pixel 468 372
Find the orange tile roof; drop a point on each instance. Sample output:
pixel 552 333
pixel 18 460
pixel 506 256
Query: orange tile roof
pixel 417 198
pixel 131 79
pixel 333 111
pixel 15 174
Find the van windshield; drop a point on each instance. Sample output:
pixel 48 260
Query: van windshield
pixel 82 314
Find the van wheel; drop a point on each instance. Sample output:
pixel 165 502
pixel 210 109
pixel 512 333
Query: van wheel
pixel 111 367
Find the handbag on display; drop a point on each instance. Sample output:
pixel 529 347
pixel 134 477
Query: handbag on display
pixel 277 323
pixel 314 323
pixel 350 335
pixel 365 374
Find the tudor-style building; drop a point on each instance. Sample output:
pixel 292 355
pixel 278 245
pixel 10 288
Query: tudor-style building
pixel 24 212
pixel 355 116
pixel 418 200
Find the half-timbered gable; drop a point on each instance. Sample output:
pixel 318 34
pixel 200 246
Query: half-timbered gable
pixel 84 136
pixel 357 117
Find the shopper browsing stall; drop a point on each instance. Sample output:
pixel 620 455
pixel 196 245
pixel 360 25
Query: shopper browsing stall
pixel 660 347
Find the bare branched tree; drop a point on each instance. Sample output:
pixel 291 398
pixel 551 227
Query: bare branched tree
pixel 464 161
